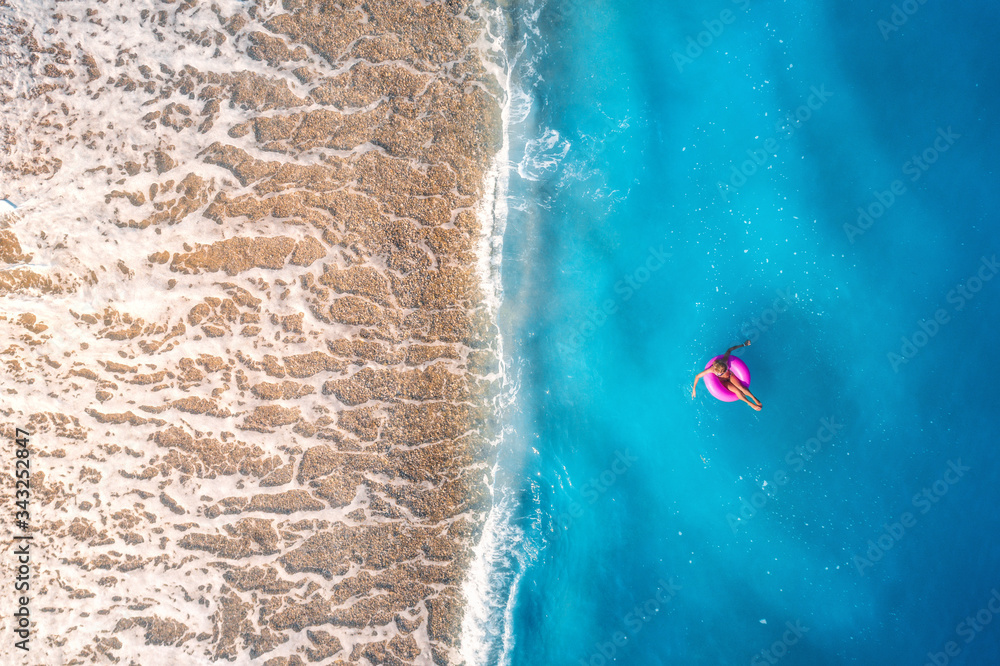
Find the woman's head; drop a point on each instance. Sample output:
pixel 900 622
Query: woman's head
pixel 719 367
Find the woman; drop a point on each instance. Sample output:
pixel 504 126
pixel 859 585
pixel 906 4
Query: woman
pixel 728 379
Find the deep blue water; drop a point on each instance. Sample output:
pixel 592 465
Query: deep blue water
pixel 633 255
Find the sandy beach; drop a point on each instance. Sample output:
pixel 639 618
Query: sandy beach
pixel 247 326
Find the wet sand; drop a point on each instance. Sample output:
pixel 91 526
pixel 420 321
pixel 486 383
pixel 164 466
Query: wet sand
pixel 245 325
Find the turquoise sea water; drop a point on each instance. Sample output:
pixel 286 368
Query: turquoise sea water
pixel 665 207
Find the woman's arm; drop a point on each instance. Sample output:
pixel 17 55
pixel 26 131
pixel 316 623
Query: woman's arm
pixel 699 376
pixel 730 350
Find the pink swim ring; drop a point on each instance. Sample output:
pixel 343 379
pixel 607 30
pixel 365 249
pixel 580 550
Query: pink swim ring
pixel 714 384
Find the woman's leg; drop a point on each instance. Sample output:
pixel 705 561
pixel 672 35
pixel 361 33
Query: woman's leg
pixel 741 392
pixel 754 405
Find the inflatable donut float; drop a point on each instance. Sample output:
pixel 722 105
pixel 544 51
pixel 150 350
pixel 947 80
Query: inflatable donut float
pixel 714 384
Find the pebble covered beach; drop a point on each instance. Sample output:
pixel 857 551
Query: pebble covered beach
pixel 249 323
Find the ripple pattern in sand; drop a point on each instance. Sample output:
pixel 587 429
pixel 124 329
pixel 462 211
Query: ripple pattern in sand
pixel 244 326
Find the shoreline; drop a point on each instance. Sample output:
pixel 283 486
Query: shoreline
pixel 492 213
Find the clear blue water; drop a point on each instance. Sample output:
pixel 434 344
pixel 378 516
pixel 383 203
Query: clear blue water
pixel 619 482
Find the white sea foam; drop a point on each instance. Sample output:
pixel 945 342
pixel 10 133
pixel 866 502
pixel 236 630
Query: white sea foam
pixel 521 104
pixel 542 156
pixel 478 587
pixel 503 555
pixel 502 558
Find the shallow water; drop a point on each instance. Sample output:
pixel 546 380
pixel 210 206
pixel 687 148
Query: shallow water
pixel 633 254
